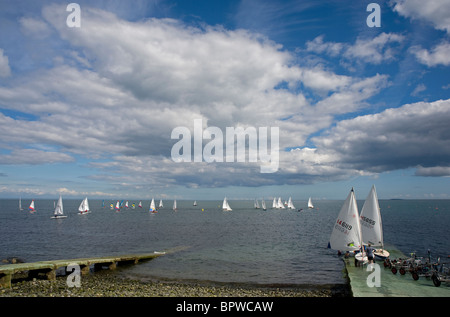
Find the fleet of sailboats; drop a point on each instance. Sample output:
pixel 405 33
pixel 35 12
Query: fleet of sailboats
pixel 84 207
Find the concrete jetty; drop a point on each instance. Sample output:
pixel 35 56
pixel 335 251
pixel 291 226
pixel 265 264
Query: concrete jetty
pixel 48 268
pixel 390 285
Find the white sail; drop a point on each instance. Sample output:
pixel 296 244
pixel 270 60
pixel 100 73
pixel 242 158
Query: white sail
pixel 117 205
pixel 256 204
pixel 152 206
pixel 175 204
pixel 84 206
pixel 346 234
pixel 274 203
pixel 126 204
pixel 371 226
pixel 280 204
pixel 161 203
pixel 20 204
pixel 195 203
pixel 310 204
pixel 290 204
pixel 263 204
pixel 31 208
pixel 59 210
pixel 225 205
pixel 140 204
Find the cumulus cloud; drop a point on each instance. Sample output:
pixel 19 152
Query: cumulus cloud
pixel 132 83
pixel 438 55
pixel 435 13
pixel 398 138
pixel 381 48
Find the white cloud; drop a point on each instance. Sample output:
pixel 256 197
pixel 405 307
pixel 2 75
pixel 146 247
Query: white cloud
pixel 418 89
pixel 142 79
pixel 34 27
pixel 381 48
pixel 409 136
pixel 34 157
pixel 435 12
pixel 438 55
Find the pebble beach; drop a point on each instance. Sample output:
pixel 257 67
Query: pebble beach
pixel 108 284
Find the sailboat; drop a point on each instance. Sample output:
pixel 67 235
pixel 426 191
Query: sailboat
pixel 160 204
pixel 20 204
pixel 84 207
pixel 195 203
pixel 310 204
pixel 117 206
pixel 290 204
pixel 263 204
pixel 126 204
pixel 256 204
pixel 226 206
pixel 175 205
pixel 152 206
pixel 280 204
pixel 59 212
pixel 140 204
pixel 346 233
pixel 371 225
pixel 31 207
pixel 274 203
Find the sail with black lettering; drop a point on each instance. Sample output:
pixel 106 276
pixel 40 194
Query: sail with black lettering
pixel 346 233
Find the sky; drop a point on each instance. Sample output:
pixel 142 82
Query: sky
pixel 89 102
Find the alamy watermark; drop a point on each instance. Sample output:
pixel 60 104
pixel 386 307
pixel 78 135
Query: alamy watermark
pixel 250 142
pixel 74 278
pixel 74 18
pixel 374 278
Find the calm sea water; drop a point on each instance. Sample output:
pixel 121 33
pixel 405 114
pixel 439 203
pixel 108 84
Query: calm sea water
pixel 245 245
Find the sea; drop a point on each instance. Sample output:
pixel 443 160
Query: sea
pixel 205 243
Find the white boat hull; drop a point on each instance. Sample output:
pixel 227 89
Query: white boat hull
pixel 361 258
pixel 381 254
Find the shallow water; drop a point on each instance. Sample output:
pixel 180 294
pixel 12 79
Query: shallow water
pixel 245 245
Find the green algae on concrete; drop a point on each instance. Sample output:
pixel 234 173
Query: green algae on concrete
pixel 390 285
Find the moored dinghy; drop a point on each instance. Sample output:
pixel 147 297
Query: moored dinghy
pixel 371 225
pixel 346 233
